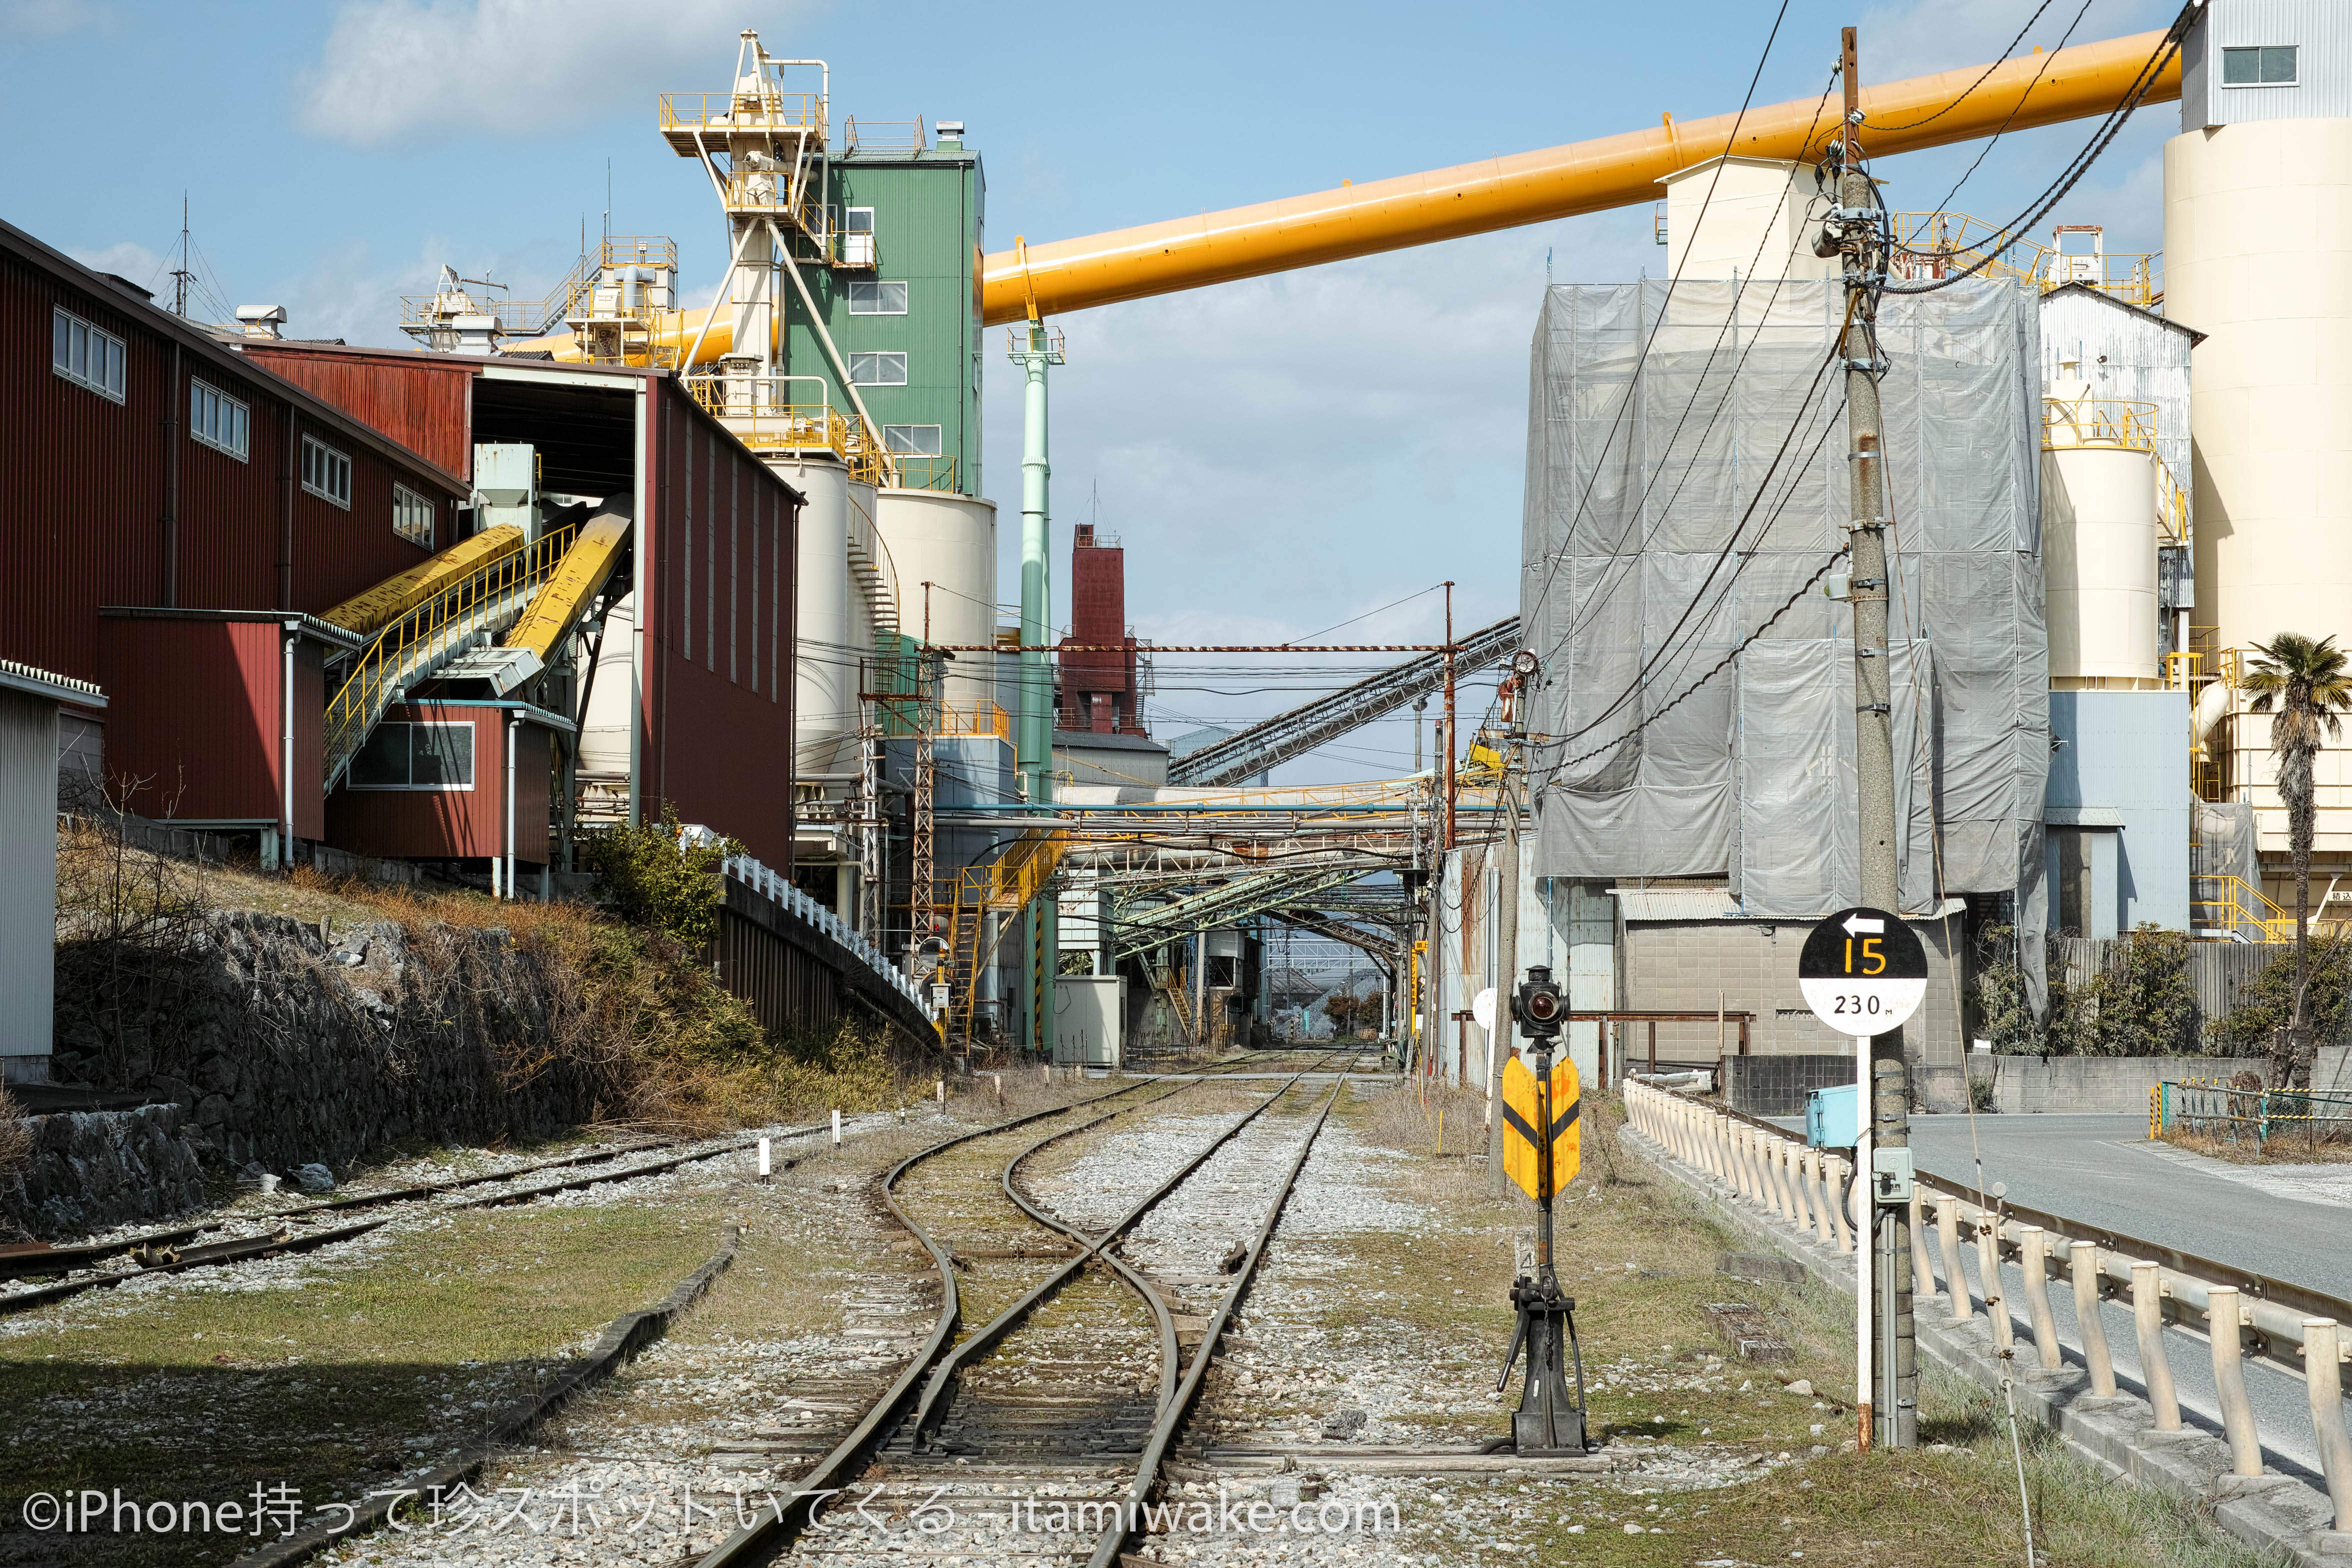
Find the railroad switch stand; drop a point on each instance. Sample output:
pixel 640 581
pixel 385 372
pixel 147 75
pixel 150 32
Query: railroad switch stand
pixel 1550 1418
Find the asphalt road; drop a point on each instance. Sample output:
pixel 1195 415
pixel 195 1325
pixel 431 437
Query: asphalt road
pixel 2290 1222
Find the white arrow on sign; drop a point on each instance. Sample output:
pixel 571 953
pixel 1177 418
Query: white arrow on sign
pixel 1856 925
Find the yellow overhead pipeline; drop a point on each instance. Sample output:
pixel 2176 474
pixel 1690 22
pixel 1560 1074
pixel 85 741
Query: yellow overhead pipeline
pixel 2075 83
pixel 2078 83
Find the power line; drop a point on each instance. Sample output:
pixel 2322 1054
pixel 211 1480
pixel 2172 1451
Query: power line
pixel 2000 61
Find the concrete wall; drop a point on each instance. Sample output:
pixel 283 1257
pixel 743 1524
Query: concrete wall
pixel 2031 1086
pixel 1778 1086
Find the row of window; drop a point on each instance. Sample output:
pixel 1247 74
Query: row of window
pixel 88 355
pixel 438 756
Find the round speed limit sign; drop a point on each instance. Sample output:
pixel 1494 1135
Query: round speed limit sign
pixel 1863 971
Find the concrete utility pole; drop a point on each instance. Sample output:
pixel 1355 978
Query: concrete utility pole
pixel 1506 965
pixel 1887 1089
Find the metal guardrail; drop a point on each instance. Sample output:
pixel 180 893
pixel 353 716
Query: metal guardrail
pixel 2300 1330
pixel 2219 1109
pixel 768 885
pixel 423 638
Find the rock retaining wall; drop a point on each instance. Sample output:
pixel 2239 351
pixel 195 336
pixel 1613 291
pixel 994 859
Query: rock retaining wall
pixel 284 1044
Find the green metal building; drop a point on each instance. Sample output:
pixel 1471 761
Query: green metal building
pixel 909 325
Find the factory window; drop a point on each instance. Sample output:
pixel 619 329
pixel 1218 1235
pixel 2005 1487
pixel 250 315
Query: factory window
pixel 437 756
pixel 2272 65
pixel 857 237
pixel 326 473
pixel 877 299
pixel 912 440
pixel 218 420
pixel 412 516
pixel 87 355
pixel 877 369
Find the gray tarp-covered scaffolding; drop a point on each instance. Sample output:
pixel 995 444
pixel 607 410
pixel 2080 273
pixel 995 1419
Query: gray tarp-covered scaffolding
pixel 1639 469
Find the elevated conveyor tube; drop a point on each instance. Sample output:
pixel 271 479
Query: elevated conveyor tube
pixel 2087 80
pixel 556 609
pixel 371 612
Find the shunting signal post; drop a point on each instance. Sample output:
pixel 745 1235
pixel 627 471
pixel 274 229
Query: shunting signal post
pixel 1541 1146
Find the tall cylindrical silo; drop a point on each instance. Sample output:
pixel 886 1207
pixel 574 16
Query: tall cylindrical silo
pixel 2258 255
pixel 2098 561
pixel 831 637
pixel 949 541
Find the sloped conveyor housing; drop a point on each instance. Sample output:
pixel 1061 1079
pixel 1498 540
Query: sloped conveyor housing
pixel 509 612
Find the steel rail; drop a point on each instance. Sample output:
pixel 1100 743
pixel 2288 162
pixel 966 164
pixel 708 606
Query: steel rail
pixel 1171 1416
pixel 243 1249
pixel 935 1391
pixel 777 1524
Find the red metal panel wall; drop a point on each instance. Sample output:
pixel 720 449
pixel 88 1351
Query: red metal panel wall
pixel 69 542
pixel 194 719
pixel 82 487
pixel 424 404
pixel 453 825
pixel 718 546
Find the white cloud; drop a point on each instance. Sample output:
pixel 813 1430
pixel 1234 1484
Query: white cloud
pixel 136 262
pixel 1918 36
pixel 22 19
pixel 395 70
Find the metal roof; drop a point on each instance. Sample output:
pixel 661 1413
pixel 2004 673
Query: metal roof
pixel 24 678
pixel 1676 903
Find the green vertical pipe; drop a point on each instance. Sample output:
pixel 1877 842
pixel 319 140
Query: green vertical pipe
pixel 1035 734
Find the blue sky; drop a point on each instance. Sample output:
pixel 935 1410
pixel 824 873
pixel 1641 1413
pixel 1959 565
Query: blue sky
pixel 1277 455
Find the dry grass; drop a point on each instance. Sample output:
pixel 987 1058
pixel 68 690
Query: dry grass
pixel 16 1137
pixel 2289 1146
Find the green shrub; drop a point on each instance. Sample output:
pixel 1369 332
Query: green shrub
pixel 2267 1003
pixel 652 877
pixel 2141 1002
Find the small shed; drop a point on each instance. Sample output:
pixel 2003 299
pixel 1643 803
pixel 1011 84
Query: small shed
pixel 29 703
pixel 455 779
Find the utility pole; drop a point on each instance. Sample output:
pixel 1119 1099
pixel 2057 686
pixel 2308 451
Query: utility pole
pixel 1449 720
pixel 928 679
pixel 1506 932
pixel 1885 1082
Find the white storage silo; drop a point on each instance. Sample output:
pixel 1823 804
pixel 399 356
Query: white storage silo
pixel 832 638
pixel 949 541
pixel 2098 546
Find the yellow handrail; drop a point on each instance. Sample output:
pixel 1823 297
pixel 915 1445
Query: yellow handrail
pixel 2072 422
pixel 442 625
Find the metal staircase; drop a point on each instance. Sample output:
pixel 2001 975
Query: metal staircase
pixel 426 639
pixel 870 569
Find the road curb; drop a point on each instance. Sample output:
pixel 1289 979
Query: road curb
pixel 2118 1435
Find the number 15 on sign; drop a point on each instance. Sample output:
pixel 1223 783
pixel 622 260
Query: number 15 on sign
pixel 1863 971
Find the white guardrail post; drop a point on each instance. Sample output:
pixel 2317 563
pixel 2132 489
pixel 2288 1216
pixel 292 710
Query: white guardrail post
pixel 2322 1374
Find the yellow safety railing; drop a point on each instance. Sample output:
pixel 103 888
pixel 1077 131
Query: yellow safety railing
pixel 2237 905
pixel 718 113
pixel 2105 422
pixel 980 718
pixel 883 135
pixel 439 628
pixel 795 426
pixel 1938 245
pixel 918 472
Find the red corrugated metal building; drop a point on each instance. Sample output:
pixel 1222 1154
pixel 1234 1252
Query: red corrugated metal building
pixel 419 790
pixel 710 727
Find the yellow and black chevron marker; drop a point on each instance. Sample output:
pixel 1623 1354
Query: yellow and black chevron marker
pixel 1524 1111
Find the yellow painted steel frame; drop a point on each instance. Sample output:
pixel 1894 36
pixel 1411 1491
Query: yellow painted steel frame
pixel 556 607
pixel 395 597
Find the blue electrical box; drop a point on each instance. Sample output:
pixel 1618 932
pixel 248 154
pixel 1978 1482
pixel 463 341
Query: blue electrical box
pixel 1830 1121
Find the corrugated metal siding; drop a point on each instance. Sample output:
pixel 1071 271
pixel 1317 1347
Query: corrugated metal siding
pixel 192 718
pixel 793 994
pixel 2220 969
pixel 82 507
pixel 28 872
pixel 718 542
pixel 453 825
pixel 424 404
pixel 81 478
pixel 2146 360
pixel 2320 31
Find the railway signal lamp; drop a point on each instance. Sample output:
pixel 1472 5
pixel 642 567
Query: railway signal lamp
pixel 1539 1007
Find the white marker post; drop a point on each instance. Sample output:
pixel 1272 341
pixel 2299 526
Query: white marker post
pixel 766 1159
pixel 836 1128
pixel 1863 973
pixel 939 1087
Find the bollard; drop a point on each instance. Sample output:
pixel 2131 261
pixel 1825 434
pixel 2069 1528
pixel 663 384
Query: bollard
pixel 1834 1170
pixel 1799 1205
pixel 998 1079
pixel 766 1167
pixel 2083 1260
pixel 1923 1273
pixel 2033 1244
pixel 836 1128
pixel 1817 1173
pixel 1956 1279
pixel 1996 1299
pixel 2148 1317
pixel 1775 1200
pixel 2224 1319
pixel 2323 1375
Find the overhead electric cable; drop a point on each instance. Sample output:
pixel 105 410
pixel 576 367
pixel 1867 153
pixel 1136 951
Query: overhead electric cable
pixel 1999 61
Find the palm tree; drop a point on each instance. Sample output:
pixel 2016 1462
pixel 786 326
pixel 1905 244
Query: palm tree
pixel 2306 685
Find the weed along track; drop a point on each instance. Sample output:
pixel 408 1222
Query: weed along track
pixel 1084 1272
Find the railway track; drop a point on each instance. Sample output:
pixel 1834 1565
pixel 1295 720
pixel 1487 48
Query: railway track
pixel 1033 1416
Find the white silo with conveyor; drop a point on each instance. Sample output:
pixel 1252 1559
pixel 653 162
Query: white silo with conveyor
pixel 949 541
